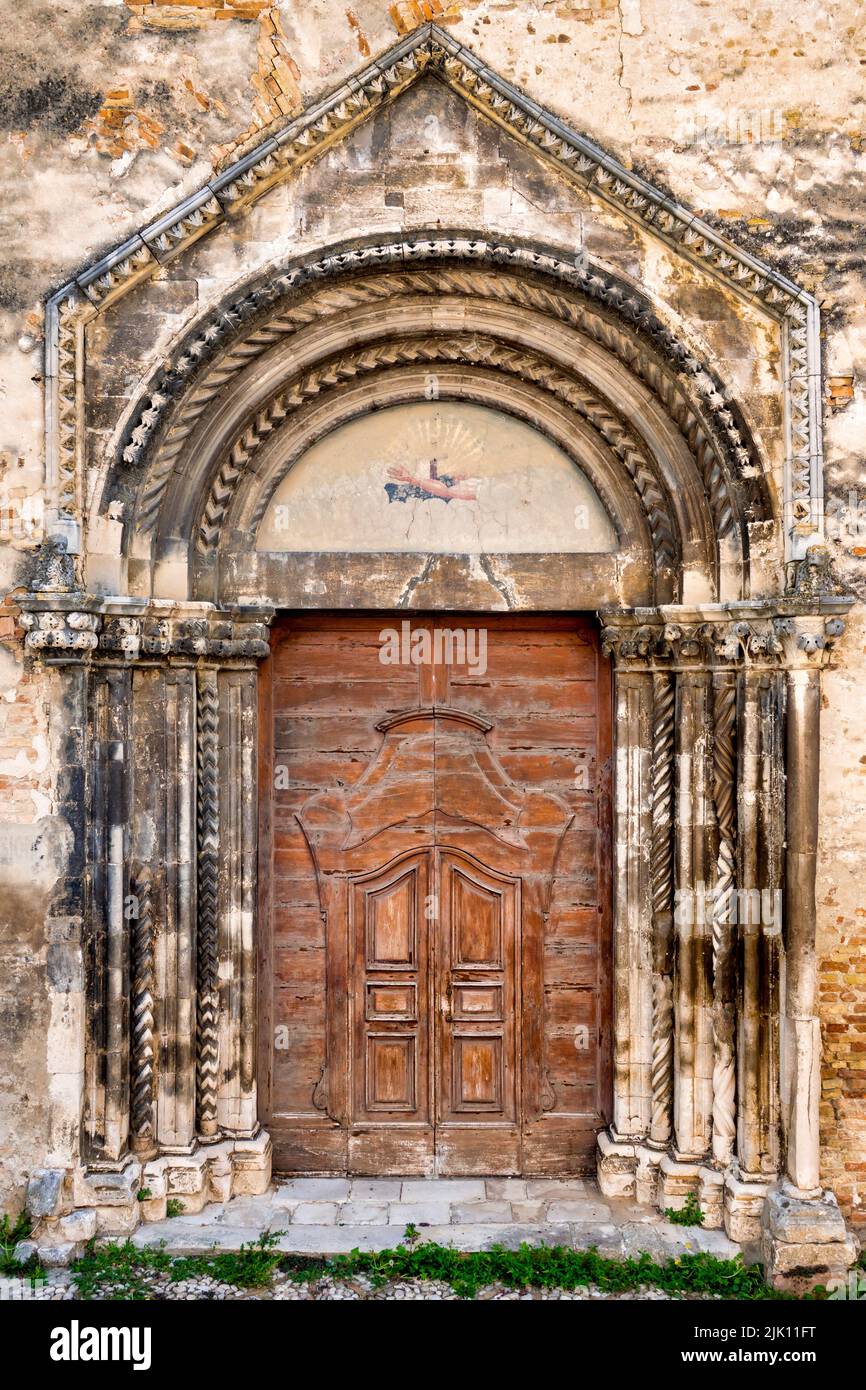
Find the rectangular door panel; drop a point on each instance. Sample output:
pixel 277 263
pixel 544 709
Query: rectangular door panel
pixel 390 992
pixel 477 980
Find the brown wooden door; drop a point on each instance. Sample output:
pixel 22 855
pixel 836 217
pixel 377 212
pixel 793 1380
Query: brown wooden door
pixel 435 993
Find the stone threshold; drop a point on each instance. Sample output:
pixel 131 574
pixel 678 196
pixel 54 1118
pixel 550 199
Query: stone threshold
pixel 327 1216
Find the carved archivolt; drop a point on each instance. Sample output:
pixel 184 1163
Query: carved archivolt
pixel 708 429
pixel 432 351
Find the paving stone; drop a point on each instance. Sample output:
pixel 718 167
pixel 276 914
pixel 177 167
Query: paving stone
pixel 314 1214
pixel 419 1213
pixel 311 1190
pixel 606 1237
pixel 250 1212
pixel 464 1213
pixel 481 1236
pixel 375 1189
pixel 507 1189
pixel 529 1211
pixel 443 1190
pixel 193 1242
pixel 578 1210
pixel 558 1187
pixel 363 1214
pixel 335 1240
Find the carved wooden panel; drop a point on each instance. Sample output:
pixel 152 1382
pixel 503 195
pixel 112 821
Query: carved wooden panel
pixel 388 992
pixel 478 980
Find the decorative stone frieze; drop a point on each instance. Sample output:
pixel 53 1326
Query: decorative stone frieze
pixel 69 631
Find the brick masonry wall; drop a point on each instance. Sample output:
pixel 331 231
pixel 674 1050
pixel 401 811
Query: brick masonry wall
pixel 755 117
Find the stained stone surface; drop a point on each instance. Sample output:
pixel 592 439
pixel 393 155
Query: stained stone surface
pixel 331 1216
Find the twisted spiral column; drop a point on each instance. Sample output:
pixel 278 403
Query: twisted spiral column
pixel 662 1071
pixel 724 902
pixel 141 1033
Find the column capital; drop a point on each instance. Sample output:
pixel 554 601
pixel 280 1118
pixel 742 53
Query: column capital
pixel 773 634
pixel 74 627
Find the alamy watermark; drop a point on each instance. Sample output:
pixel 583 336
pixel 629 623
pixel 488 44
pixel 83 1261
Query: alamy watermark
pixel 437 647
pixel 701 905
pixel 716 129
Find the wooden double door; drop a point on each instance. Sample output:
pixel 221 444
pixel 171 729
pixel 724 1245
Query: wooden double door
pixel 435 973
pixel 433 1007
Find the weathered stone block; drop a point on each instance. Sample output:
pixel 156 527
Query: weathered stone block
pixel 251 1166
pixel 804 1241
pixel 116 1220
pixel 107 1189
pixel 78 1225
pixel 799 1221
pixel 154 1208
pixel 45 1193
pixel 616 1165
pixel 743 1209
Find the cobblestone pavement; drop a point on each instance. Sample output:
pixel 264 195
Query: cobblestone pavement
pixel 358 1288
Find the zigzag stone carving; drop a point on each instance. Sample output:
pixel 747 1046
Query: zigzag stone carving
pixel 207 939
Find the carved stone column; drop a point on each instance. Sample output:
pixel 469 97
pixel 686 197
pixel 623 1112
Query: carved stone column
pixel 724 916
pixel 166 804
pixel 623 1165
pixel 164 867
pixel 236 1089
pixel 220 658
pixel 662 873
pixel 694 877
pixel 802 1226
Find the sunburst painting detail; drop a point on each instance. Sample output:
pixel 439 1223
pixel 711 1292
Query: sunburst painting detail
pixel 449 445
pixel 447 477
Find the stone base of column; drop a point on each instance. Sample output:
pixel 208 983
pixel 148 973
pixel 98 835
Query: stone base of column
pixel 72 1208
pixel 744 1199
pixel 804 1240
pixel 652 1176
pixel 628 1167
pixel 638 1169
pixel 680 1179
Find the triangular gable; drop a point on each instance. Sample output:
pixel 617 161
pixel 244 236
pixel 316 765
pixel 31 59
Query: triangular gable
pixel 431 50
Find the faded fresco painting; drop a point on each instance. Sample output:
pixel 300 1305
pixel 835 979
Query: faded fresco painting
pixel 448 477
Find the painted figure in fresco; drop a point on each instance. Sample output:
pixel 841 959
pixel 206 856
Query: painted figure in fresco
pixel 449 487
